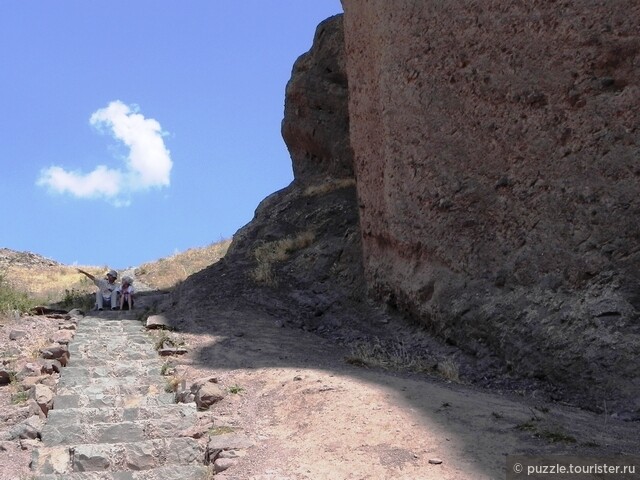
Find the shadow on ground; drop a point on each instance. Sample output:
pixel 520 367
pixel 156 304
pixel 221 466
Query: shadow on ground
pixel 306 403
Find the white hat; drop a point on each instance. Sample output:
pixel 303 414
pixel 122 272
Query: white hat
pixel 112 273
pixel 127 279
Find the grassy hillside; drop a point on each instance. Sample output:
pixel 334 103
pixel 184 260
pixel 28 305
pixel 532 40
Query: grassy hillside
pixel 169 271
pixel 26 283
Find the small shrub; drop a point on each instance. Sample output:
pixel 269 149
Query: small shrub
pixel 19 397
pixel 167 368
pixel 172 384
pixel 448 370
pixel 236 389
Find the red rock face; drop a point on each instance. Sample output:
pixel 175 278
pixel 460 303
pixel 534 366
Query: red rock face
pixel 498 164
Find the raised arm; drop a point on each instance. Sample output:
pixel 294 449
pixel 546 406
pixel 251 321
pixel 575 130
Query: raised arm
pixel 87 274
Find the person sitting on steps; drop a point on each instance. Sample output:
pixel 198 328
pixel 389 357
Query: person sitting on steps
pixel 107 289
pixel 126 292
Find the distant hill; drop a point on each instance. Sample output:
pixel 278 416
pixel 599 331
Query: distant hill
pixel 9 258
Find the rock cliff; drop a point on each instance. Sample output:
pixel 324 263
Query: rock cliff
pixel 495 148
pixel 299 258
pixel 497 156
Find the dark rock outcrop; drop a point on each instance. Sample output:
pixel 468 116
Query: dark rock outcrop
pixel 316 121
pixel 496 151
pixel 300 257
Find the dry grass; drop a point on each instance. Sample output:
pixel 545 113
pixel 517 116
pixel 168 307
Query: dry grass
pixel 448 370
pixel 394 356
pixel 169 271
pixel 270 253
pixel 49 283
pixel 329 186
pixel 389 356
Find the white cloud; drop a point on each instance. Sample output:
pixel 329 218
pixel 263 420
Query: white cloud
pixel 148 163
pixel 101 182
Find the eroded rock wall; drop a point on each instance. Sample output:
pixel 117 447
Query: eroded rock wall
pixel 498 164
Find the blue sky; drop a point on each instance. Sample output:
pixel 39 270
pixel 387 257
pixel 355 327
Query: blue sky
pixel 132 130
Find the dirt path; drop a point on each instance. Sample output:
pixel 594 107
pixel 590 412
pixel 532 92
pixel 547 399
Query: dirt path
pixel 312 416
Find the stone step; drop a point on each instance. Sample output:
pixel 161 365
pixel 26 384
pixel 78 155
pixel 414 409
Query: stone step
pixel 67 382
pixel 115 369
pixel 113 389
pixel 85 334
pixel 113 322
pixel 95 358
pixel 113 457
pixel 111 344
pixel 108 315
pixel 95 361
pixel 113 328
pixel 171 472
pixel 70 416
pixel 126 431
pixel 108 401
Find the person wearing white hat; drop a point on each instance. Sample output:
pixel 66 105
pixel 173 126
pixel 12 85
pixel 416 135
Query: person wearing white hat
pixel 126 291
pixel 107 289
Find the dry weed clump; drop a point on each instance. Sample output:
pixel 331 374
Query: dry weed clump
pixel 389 356
pixel 395 356
pixel 169 271
pixel 270 253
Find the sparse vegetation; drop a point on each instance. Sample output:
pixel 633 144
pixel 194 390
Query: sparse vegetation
pixel 235 389
pixel 172 384
pixel 13 300
pixel 78 299
pixel 329 186
pixel 448 370
pixel 527 426
pixel 556 436
pixel 270 253
pixel 19 397
pixel 391 356
pixel 167 368
pixel 164 339
pixel 591 444
pixel 221 430
pixel 550 435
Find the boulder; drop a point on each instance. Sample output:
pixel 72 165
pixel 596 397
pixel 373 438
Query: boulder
pixel 208 394
pixel 56 352
pixel 158 321
pixel 43 396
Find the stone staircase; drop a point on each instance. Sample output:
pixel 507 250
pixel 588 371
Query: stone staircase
pixel 111 417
